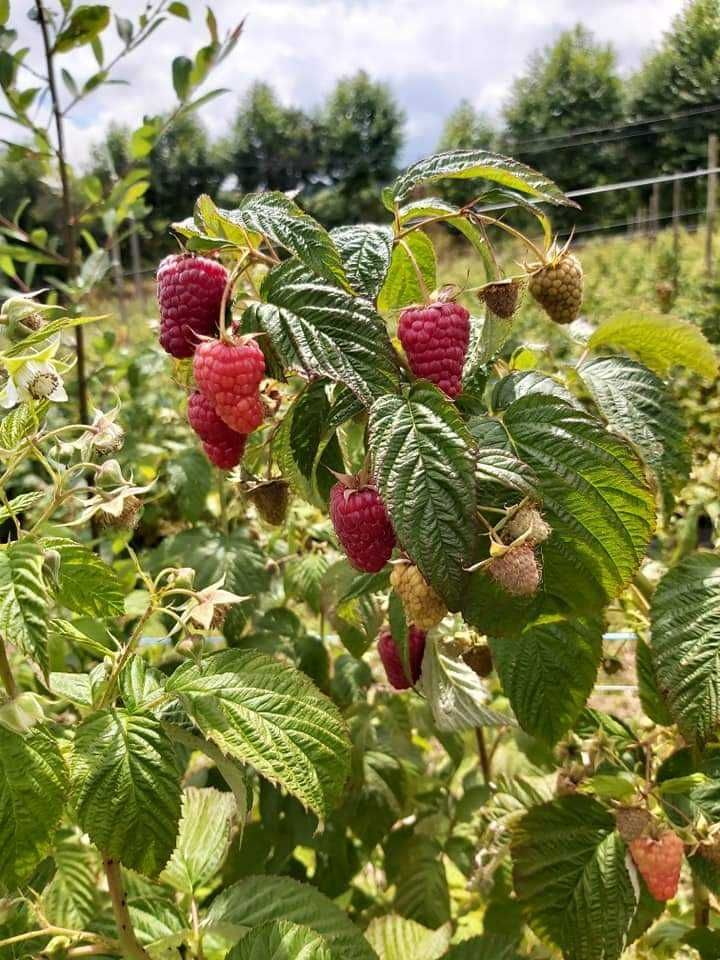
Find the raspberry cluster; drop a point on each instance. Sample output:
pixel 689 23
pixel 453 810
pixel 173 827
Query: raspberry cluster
pixel 227 405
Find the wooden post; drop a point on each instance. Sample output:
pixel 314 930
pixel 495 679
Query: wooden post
pixel 654 212
pixel 677 193
pixel 711 202
pixel 119 286
pixel 136 266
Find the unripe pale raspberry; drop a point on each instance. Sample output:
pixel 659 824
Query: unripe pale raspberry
pixel 421 604
pixel 127 518
pixel 271 500
pixel 501 297
pixel 632 822
pixel 392 660
pixel 435 340
pixel 226 454
pixel 659 862
pixel 516 571
pixel 558 288
pixel 189 292
pixel 527 520
pixel 362 526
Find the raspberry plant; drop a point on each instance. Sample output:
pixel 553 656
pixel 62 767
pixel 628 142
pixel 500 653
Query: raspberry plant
pixel 244 795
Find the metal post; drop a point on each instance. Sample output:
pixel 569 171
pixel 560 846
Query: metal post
pixel 677 192
pixel 711 201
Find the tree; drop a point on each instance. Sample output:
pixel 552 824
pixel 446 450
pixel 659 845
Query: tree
pixel 569 87
pixel 464 129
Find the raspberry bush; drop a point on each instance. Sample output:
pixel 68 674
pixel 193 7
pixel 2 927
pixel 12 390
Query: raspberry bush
pixel 318 684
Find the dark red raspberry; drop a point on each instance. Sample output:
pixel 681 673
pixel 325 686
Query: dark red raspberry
pixel 204 420
pixel 435 339
pixel 392 661
pixel 228 454
pixel 362 526
pixel 229 373
pixel 189 292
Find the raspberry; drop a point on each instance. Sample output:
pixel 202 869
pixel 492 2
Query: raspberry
pixel 632 822
pixel 362 525
pixel 501 297
pixel 229 374
pixel 659 862
pixel 392 661
pixel 558 287
pixel 226 454
pixel 422 605
pixel 435 339
pixel 527 520
pixel 479 659
pixel 516 571
pixel 189 291
pixel 271 500
pixel 204 420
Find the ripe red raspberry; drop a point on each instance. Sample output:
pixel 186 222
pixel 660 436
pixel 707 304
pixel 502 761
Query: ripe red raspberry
pixel 659 862
pixel 204 420
pixel 189 292
pixel 229 374
pixel 392 661
pixel 227 454
pixel 362 525
pixel 435 339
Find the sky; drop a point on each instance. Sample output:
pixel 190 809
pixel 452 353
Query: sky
pixel 432 53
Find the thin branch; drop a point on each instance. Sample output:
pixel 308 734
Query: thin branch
pixel 129 944
pixel 6 673
pixel 483 754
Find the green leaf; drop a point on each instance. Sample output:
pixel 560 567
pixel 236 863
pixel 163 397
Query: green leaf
pixel 264 712
pixel 427 207
pixel 571 879
pixel 490 946
pixel 650 697
pixel 638 405
pixel 685 643
pixel 126 788
pixel 301 439
pixel 281 940
pixel 179 10
pixel 139 684
pixel 423 466
pixel 262 899
pixel 70 899
pixel 181 69
pixel 87 585
pixel 412 258
pixel 525 383
pixel 488 335
pixel 548 673
pixel 458 697
pixel 33 787
pixel 75 687
pixel 596 497
pixel 23 600
pixel 4 12
pixel 86 22
pixel 206 829
pixel 696 799
pixel 322 331
pixel 158 923
pixel 475 164
pixel 365 249
pixel 20 503
pixel 396 938
pixel 659 341
pixel 497 472
pixel 414 866
pixel 356 619
pixel 50 329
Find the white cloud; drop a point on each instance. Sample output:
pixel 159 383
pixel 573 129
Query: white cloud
pixel 432 54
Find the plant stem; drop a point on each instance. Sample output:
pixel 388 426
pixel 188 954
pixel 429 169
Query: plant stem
pixel 701 904
pixel 418 272
pixel 107 697
pixel 6 673
pixel 129 944
pixel 69 226
pixel 99 946
pixel 197 932
pixel 483 754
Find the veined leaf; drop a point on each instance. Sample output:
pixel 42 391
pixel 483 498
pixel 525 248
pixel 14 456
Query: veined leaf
pixel 659 341
pixel 366 249
pixel 475 164
pixel 322 331
pixel 126 788
pixel 396 938
pixel 571 879
pixel 653 703
pixel 20 503
pixel 266 713
pixel 75 687
pixel 414 865
pixel 70 899
pixel 281 940
pixel 158 923
pixel 23 600
pixel 524 383
pixel 423 465
pixel 139 684
pixel 685 647
pixel 490 946
pixel 262 899
pixel 87 584
pixel 21 422
pixel 428 207
pixel 48 330
pixel 206 828
pixel 413 257
pixel 33 787
pixel 301 438
pixel 498 472
pixel 548 672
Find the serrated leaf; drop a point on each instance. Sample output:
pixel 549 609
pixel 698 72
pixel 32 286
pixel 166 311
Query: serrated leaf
pixel 126 788
pixel 571 879
pixel 525 383
pixel 423 466
pixel 476 164
pixel 20 503
pixel 50 329
pixel 490 946
pixel 322 331
pixel 75 687
pixel 412 258
pixel 498 471
pixel 457 696
pixel 264 712
pixel 139 684
pixel 356 619
pixel 659 341
pixel 365 249
pixel 396 938
pixel 70 899
pixel 301 439
pixel 413 863
pixel 23 600
pixel 548 672
pixel 33 787
pixel 596 497
pixel 205 832
pixel 263 899
pixel 21 422
pixel 638 405
pixel 87 585
pixel 651 699
pixel 685 643
pixel 696 799
pixel 488 335
pixel 281 940
pixel 158 924
pixel 428 207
